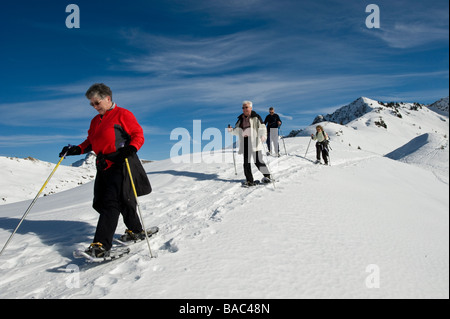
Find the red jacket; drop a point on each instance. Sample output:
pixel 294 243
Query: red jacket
pixel 112 131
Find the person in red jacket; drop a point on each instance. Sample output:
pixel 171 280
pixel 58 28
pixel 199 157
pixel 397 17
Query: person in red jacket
pixel 114 135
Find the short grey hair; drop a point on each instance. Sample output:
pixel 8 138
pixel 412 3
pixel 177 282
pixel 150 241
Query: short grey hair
pixel 249 103
pixel 99 90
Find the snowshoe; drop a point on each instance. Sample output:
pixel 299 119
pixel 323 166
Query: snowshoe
pixel 97 254
pixel 267 180
pixel 249 184
pixel 130 237
pixel 96 250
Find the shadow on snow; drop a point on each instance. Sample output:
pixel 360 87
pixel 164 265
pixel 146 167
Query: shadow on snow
pixel 63 235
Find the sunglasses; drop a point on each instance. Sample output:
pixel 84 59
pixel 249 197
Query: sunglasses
pixel 96 103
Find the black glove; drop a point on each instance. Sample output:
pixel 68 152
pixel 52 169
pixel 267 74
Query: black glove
pixel 124 153
pixel 100 162
pixel 70 150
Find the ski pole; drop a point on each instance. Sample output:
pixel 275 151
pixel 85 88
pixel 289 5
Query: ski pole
pixel 139 207
pixel 308 147
pixel 328 154
pixel 284 144
pixel 234 155
pixel 32 204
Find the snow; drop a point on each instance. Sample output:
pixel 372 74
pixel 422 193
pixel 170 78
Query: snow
pixel 375 224
pixel 23 178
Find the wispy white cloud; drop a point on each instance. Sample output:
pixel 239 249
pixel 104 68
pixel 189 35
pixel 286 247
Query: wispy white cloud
pixel 195 56
pixel 22 140
pixel 412 35
pixel 155 130
pixel 41 113
pixel 411 25
pixel 148 95
pixel 166 73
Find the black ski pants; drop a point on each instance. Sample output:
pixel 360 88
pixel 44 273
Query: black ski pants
pixel 258 160
pixel 321 148
pixel 111 205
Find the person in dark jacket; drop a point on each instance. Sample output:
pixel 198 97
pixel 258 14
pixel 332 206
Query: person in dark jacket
pixel 273 122
pixel 114 135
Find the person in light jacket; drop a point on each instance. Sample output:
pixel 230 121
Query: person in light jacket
pixel 322 144
pixel 252 134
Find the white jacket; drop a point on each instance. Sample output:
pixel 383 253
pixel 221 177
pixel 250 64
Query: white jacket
pixel 257 132
pixel 320 137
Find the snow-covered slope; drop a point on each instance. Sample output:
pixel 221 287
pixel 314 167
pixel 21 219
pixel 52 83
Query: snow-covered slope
pixel 369 226
pixel 429 151
pixel 21 179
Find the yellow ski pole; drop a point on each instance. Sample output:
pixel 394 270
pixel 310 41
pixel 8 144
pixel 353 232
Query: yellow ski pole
pixel 32 204
pixel 139 207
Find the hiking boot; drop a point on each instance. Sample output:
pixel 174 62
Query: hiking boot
pixel 97 250
pixel 130 236
pixel 248 184
pixel 266 179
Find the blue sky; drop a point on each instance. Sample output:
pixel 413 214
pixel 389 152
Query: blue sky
pixel 172 62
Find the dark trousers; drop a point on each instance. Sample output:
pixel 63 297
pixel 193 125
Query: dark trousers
pixel 321 148
pixel 258 160
pixel 111 205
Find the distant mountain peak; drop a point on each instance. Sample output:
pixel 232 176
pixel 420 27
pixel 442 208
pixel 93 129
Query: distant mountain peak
pixel 440 106
pixel 364 105
pixel 349 112
pixel 87 162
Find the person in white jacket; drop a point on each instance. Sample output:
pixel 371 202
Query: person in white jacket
pixel 252 134
pixel 322 144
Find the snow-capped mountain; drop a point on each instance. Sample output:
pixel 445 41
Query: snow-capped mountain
pixel 374 224
pixel 380 127
pixel 440 106
pixel 363 105
pixel 87 162
pixel 348 113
